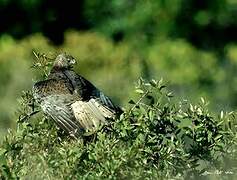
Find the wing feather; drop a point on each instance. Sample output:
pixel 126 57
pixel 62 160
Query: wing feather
pixel 58 108
pixel 91 114
pixel 88 91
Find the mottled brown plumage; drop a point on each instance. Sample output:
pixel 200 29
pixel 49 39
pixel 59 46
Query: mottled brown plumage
pixel 75 104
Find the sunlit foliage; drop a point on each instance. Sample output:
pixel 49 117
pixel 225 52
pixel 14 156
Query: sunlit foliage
pixel 155 137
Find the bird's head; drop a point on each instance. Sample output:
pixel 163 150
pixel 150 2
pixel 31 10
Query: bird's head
pixel 64 61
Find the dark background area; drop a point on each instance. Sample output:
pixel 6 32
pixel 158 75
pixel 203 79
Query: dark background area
pixel 206 24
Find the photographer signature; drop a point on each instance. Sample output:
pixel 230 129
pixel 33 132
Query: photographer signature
pixel 217 172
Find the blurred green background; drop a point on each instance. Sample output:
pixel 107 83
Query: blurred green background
pixel 192 44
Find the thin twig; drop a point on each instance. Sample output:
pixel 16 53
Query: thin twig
pixel 28 115
pixel 138 101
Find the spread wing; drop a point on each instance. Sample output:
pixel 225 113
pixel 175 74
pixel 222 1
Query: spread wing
pixel 69 111
pixel 88 91
pixel 58 107
pixel 76 117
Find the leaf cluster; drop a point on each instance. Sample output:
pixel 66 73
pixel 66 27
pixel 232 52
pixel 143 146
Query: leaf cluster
pixel 154 138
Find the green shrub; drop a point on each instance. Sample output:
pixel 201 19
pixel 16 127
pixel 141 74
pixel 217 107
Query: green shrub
pixel 154 138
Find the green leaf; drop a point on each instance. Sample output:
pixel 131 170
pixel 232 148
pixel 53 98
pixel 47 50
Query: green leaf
pixel 139 91
pixel 3 160
pixel 162 87
pixel 218 137
pixel 153 83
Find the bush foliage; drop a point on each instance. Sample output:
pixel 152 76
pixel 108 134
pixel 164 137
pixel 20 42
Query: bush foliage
pixel 154 138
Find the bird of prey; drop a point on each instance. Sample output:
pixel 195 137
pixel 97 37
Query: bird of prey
pixel 75 104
